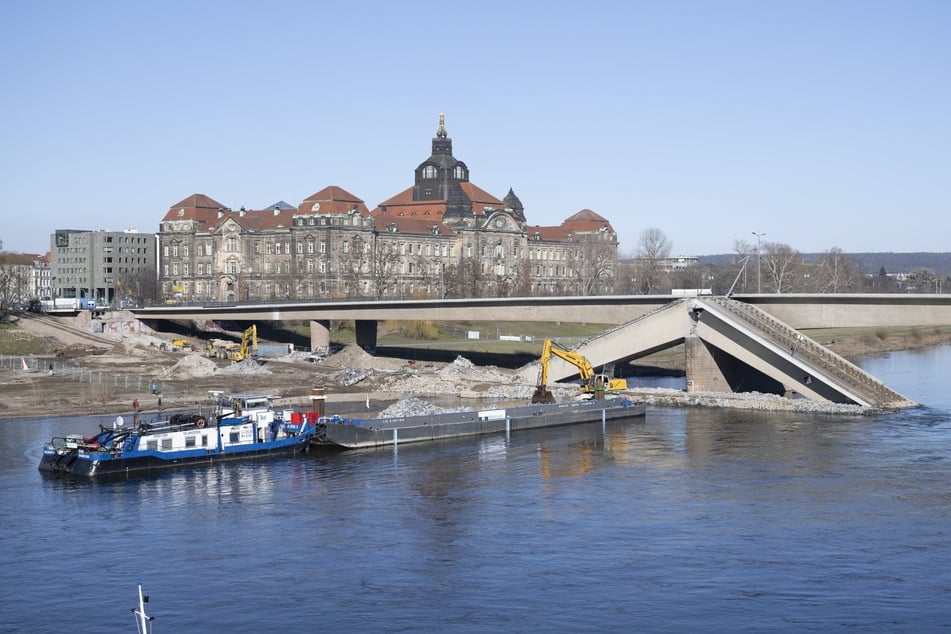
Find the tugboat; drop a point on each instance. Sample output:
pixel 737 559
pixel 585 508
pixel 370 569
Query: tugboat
pixel 241 426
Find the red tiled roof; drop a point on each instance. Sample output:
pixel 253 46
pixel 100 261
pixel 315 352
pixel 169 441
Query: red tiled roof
pixel 333 200
pixel 410 225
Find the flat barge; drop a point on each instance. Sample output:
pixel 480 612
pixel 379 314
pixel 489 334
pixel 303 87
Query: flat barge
pixel 382 432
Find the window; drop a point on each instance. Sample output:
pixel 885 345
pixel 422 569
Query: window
pixel 287 248
pixel 346 246
pixel 269 248
pixel 175 250
pixel 232 244
pixel 310 246
pixel 277 248
pixel 184 268
pixel 300 247
pixel 429 172
pixel 166 444
pixel 185 250
pixel 460 172
pixel 233 267
pixel 201 268
pixel 190 441
pixel 152 445
pixel 323 246
pixel 234 437
pixel 204 440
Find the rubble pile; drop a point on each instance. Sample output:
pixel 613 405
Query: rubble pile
pixel 412 406
pixel 247 366
pixel 666 397
pixel 191 366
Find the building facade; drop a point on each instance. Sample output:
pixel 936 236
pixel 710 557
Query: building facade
pixel 106 266
pixel 441 237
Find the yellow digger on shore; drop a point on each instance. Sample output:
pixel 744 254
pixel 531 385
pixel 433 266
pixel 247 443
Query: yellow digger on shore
pixel 591 382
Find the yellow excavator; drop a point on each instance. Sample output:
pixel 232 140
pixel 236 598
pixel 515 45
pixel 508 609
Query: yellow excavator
pixel 591 382
pixel 248 347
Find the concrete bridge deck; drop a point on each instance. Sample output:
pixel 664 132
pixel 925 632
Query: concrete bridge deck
pixel 731 346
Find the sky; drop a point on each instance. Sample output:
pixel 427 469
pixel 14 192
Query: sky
pixel 816 124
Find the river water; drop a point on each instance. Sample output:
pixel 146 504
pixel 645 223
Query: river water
pixel 713 520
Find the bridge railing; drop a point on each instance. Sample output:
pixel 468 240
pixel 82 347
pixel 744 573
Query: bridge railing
pixel 808 350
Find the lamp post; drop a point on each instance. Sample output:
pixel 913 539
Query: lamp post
pixel 759 276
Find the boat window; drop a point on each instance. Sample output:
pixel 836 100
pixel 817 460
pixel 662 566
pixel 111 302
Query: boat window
pixel 189 441
pixel 166 444
pixel 204 440
pixel 152 445
pixel 234 437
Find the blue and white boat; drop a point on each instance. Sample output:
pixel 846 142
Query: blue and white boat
pixel 240 427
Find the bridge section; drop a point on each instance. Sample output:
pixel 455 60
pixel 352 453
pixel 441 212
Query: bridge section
pixel 731 346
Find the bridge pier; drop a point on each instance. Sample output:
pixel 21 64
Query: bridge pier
pixel 366 334
pixel 710 369
pixel 319 334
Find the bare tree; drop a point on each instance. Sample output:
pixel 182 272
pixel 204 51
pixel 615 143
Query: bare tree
pixel 835 272
pixel 653 248
pixel 384 267
pixel 465 279
pixel 354 265
pixel 921 281
pixel 780 264
pixel 591 265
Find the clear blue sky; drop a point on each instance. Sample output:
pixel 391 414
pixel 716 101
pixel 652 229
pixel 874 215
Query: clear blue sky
pixel 819 123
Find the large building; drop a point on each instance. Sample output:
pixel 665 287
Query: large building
pixel 441 237
pixel 106 266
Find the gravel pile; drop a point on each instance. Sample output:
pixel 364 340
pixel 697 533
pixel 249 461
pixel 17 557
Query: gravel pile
pixel 412 406
pixel 191 366
pixel 745 400
pixel 248 366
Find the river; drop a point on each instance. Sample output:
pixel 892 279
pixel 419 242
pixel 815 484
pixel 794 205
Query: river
pixel 713 520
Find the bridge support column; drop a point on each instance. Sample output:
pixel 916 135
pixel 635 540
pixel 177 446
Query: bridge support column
pixel 704 373
pixel 366 334
pixel 320 334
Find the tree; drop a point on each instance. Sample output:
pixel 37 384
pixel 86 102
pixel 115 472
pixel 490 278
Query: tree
pixel 835 272
pixel 921 281
pixel 384 267
pixel 591 265
pixel 652 248
pixel 353 266
pixel 780 264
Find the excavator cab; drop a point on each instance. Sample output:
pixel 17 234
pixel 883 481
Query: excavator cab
pixel 591 383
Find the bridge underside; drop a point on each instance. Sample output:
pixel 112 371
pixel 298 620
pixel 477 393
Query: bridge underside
pixel 731 346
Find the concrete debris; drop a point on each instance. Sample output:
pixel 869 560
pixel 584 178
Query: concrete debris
pixel 351 377
pixel 666 397
pixel 191 366
pixel 412 406
pixel 247 366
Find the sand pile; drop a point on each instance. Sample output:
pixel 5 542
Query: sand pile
pixel 247 366
pixel 191 366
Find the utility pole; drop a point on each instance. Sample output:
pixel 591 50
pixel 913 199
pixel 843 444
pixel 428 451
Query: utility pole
pixel 759 275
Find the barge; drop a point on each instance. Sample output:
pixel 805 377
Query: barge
pixel 241 427
pixel 340 433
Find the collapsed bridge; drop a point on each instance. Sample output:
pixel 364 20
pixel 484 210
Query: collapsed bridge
pixel 732 346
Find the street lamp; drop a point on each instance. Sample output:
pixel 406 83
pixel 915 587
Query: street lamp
pixel 759 276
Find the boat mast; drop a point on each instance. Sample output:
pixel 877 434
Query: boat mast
pixel 143 622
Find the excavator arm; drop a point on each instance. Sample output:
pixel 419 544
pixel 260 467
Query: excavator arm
pixel 585 371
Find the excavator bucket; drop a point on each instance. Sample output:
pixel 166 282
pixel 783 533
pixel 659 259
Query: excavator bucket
pixel 542 395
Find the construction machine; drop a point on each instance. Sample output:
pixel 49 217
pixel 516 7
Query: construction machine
pixel 248 347
pixel 591 382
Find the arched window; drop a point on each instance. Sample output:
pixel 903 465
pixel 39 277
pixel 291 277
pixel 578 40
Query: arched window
pixel 460 172
pixel 429 172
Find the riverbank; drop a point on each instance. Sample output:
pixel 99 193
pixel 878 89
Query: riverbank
pixel 357 384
